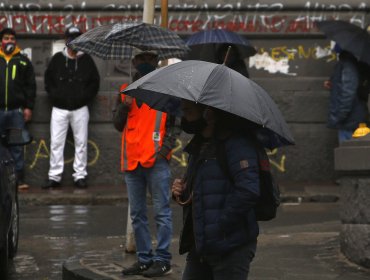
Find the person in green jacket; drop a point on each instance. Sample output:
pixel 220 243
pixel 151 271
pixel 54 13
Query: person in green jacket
pixel 17 93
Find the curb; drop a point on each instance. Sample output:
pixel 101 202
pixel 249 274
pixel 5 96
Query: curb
pixel 71 199
pixel 40 199
pixel 72 270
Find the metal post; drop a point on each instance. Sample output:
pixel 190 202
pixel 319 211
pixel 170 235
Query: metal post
pixel 164 22
pixel 148 17
pixel 164 13
pixel 130 237
pixel 148 13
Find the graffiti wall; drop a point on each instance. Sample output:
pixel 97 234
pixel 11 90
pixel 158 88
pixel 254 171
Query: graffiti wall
pixel 292 62
pixel 262 19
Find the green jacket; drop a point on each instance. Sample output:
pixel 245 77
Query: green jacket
pixel 17 82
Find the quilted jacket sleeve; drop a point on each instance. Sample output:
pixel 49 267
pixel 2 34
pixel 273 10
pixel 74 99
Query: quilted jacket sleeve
pixel 243 166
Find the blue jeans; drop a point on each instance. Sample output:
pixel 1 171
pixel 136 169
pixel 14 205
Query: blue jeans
pixel 13 119
pixel 157 180
pixel 231 266
pixel 344 135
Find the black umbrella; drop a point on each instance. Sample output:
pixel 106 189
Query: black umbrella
pixel 350 37
pixel 217 86
pixel 206 43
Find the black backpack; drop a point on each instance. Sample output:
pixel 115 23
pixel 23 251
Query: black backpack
pixel 269 201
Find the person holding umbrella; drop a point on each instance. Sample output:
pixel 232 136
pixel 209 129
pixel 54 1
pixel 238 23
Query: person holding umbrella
pixel 212 45
pixel 148 138
pixel 229 55
pixel 226 112
pixel 220 228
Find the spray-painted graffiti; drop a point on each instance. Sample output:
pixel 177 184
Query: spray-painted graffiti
pixel 178 155
pixel 276 59
pixel 277 161
pixel 49 23
pixel 71 5
pixel 42 152
pixel 183 18
pixel 300 52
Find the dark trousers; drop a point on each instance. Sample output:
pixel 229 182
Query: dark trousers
pixel 13 119
pixel 231 266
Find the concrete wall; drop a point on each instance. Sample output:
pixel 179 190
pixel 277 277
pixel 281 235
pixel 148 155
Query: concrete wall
pixel 293 60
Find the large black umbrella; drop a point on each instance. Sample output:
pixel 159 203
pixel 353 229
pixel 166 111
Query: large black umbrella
pixel 350 37
pixel 217 86
pixel 117 41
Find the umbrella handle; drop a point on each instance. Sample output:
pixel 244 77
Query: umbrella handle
pixel 186 202
pixel 227 55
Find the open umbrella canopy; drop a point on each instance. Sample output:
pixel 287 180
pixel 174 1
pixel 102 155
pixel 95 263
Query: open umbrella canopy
pixel 350 37
pixel 117 41
pixel 217 86
pixel 204 44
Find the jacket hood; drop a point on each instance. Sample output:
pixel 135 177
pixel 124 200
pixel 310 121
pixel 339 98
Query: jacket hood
pixel 8 57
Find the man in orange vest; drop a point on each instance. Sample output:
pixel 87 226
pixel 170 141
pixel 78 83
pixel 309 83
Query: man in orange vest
pixel 147 142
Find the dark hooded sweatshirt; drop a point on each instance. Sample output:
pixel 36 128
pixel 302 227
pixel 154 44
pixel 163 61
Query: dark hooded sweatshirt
pixel 71 83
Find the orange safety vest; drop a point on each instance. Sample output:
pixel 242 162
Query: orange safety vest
pixel 142 137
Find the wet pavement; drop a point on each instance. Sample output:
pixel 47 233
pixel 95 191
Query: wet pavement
pixel 87 241
pixel 49 235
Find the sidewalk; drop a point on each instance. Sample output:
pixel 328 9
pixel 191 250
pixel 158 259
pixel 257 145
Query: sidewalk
pixel 302 255
pixel 100 195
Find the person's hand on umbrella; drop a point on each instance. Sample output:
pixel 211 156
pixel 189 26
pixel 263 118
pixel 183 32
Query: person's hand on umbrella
pixel 178 186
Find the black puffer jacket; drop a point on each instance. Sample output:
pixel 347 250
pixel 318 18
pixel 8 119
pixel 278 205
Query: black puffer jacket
pixel 17 82
pixel 221 215
pixel 71 83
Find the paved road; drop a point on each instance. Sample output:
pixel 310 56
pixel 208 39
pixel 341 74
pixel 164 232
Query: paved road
pixel 302 243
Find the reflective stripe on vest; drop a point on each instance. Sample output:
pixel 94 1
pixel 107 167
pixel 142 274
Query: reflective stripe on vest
pixel 142 137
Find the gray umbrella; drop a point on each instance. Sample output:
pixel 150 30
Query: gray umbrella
pixel 117 41
pixel 217 86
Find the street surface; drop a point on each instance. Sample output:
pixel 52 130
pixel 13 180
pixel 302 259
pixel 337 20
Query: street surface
pixel 304 236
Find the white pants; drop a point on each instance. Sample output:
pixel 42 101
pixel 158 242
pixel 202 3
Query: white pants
pixel 60 121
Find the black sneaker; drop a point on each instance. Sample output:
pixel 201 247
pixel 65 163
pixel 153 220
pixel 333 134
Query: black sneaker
pixel 81 183
pixel 158 269
pixel 51 184
pixel 136 269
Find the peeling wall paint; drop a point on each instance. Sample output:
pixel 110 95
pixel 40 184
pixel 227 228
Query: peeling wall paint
pixel 267 63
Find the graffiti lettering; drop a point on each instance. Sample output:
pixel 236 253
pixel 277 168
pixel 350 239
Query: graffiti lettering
pixel 204 5
pixel 178 155
pixel 280 164
pixel 299 52
pixel 275 161
pixel 42 152
pixel 181 22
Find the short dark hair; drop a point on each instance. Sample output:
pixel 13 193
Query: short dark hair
pixel 8 31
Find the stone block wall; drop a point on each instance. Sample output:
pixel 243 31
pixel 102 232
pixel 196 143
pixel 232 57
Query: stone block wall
pixel 292 62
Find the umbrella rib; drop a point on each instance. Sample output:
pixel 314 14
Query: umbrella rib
pixel 207 82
